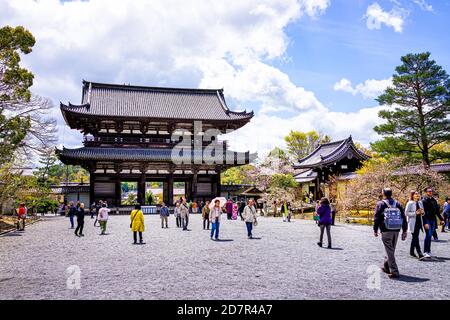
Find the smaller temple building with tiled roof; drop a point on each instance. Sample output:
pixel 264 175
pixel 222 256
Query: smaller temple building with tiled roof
pixel 338 158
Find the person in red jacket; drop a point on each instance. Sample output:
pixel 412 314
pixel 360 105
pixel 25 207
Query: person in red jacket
pixel 21 216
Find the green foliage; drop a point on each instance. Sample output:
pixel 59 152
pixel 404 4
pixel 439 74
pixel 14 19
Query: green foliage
pixel 149 198
pixel 130 200
pixel 417 120
pixel 237 175
pixel 283 181
pixel 14 79
pixel 300 144
pixel 12 132
pixel 57 173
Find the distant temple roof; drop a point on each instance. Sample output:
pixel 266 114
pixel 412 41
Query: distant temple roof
pixel 127 101
pixel 329 153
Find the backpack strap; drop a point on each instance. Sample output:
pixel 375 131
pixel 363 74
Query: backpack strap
pixel 389 205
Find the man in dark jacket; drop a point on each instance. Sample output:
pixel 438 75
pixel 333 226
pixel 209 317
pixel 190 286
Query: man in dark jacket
pixel 389 237
pixel 432 211
pixel 72 213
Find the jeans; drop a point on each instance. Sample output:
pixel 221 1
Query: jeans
pixel 215 227
pixel 80 225
pixel 390 239
pixel 322 229
pixel 71 221
pixel 185 222
pixel 206 222
pixel 415 243
pixel 135 236
pixel 249 226
pixel 429 234
pixel 178 220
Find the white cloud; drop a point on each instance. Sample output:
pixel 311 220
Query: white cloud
pixel 424 5
pixel 181 43
pixel 376 16
pixel 369 89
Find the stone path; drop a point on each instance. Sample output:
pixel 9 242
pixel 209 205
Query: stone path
pixel 285 263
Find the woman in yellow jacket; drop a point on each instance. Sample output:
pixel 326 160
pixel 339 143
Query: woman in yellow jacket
pixel 137 223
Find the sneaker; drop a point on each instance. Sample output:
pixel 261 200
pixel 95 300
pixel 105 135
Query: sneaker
pixel 393 275
pixel 427 255
pixel 319 244
pixel 421 258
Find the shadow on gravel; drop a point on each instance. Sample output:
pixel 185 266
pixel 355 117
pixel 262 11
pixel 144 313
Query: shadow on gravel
pixel 440 241
pixel 256 238
pixel 436 259
pixel 335 249
pixel 224 240
pixel 13 234
pixel 411 279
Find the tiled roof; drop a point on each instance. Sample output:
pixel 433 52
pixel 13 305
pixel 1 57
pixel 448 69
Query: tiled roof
pixel 328 153
pixel 114 100
pixel 305 176
pixel 135 154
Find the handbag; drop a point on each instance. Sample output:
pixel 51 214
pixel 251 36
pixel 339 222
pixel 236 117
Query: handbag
pixel 131 224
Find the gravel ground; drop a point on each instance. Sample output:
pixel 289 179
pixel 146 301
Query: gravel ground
pixel 284 263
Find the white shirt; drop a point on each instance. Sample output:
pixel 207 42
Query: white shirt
pixel 103 214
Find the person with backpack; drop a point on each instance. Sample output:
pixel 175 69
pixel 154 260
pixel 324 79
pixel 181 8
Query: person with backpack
pixel 137 223
pixel 214 217
pixel 205 215
pixel 390 219
pixel 414 212
pixel 432 212
pixel 80 220
pixel 177 214
pixel 72 213
pixel 103 215
pixel 249 215
pixel 184 211
pixel 21 216
pixel 325 221
pixel 164 213
pixel 98 206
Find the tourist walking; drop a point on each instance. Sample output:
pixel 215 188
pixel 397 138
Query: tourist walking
pixel 432 212
pixel 164 213
pixel 325 221
pixel 80 220
pixel 241 209
pixel 390 219
pixel 177 214
pixel 184 210
pixel 92 210
pixel 214 217
pixel 72 213
pixel 249 215
pixel 229 208
pixel 235 211
pixel 205 216
pixel 274 208
pixel 98 206
pixel 137 224
pixel 102 218
pixel 333 213
pixel 414 212
pixel 21 216
pixel 446 214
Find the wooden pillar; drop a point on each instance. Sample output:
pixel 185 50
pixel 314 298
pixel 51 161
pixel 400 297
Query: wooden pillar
pixel 170 189
pixel 218 183
pixel 118 192
pixel 194 182
pixel 141 189
pixel 91 187
pixel 189 188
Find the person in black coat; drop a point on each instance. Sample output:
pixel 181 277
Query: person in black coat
pixel 80 220
pixel 432 211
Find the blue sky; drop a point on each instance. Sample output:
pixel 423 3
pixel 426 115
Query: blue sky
pixel 299 64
